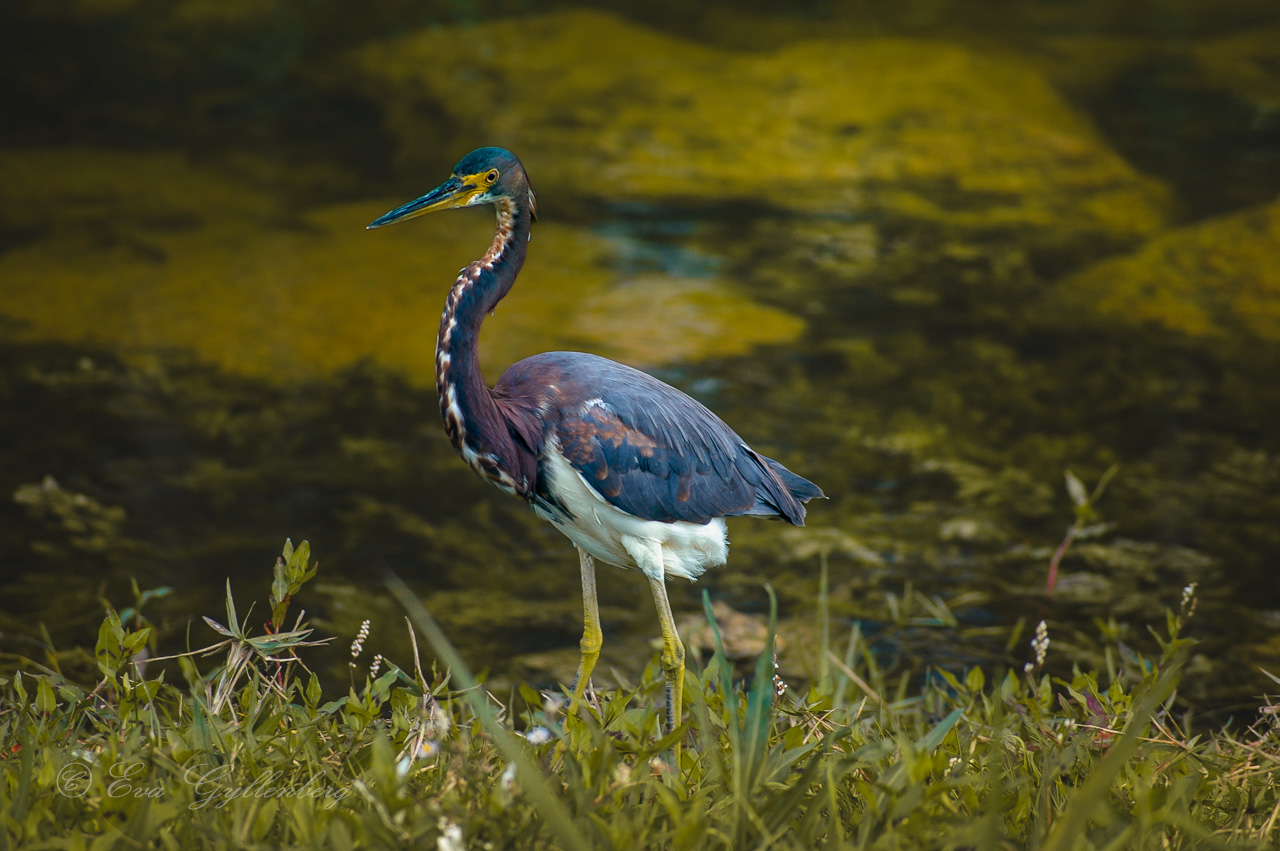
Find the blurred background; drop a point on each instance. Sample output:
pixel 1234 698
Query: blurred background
pixel 929 254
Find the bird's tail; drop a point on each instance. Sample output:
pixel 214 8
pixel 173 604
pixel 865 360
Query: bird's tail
pixel 800 487
pixel 782 493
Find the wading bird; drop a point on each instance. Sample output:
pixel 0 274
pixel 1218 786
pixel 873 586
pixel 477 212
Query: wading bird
pixel 633 471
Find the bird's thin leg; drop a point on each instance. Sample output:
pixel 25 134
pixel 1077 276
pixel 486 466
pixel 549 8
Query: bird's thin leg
pixel 592 637
pixel 672 656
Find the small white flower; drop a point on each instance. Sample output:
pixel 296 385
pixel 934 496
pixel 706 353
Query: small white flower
pixel 539 736
pixel 1040 644
pixel 622 774
pixel 450 838
pixel 358 644
pixel 1189 600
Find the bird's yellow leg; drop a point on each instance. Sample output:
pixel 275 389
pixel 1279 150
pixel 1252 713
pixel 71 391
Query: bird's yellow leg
pixel 592 637
pixel 672 658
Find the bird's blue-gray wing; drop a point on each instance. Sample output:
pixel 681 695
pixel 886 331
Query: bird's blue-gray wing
pixel 649 449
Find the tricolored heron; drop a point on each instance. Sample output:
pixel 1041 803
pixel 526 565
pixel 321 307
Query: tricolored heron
pixel 634 472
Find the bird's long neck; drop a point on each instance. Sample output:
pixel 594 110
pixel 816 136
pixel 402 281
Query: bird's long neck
pixel 471 417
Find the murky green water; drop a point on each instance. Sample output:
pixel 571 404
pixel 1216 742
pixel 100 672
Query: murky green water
pixel 929 256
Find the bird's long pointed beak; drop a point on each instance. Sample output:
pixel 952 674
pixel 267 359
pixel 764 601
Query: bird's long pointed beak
pixel 452 193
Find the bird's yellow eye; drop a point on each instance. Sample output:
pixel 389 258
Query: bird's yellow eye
pixel 491 178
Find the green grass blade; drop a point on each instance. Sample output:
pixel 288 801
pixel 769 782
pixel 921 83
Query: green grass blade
pixel 1086 802
pixel 557 816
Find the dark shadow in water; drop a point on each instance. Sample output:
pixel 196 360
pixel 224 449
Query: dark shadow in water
pixel 1219 150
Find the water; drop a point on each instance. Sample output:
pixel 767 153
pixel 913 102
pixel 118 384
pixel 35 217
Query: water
pixel 930 258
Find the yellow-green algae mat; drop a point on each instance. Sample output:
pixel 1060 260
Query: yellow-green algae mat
pixel 601 106
pixel 977 141
pixel 145 253
pixel 1216 279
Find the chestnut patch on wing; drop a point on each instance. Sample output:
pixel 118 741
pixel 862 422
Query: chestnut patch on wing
pixel 685 489
pixel 586 438
pixel 602 447
pixel 612 431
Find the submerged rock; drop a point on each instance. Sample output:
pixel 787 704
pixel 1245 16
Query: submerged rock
pixel 84 522
pixel 146 253
pixel 743 636
pixel 1218 279
pixel 915 128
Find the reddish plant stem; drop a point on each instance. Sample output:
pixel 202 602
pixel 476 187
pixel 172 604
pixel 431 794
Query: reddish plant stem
pixel 1057 557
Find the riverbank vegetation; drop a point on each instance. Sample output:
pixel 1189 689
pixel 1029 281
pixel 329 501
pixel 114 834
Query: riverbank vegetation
pixel 237 744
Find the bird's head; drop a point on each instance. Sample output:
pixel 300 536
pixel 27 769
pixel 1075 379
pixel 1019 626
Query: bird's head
pixel 484 176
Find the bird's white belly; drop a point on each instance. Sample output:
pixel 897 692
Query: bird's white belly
pixel 614 536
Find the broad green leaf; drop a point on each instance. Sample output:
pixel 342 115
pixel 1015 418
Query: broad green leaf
pixel 45 701
pixel 110 649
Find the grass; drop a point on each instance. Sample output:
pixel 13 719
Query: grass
pixel 247 752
